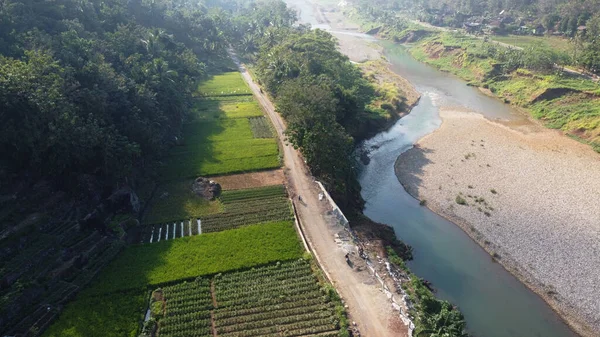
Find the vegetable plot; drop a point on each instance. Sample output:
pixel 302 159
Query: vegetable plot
pixel 186 309
pixel 152 264
pixel 249 206
pixel 239 208
pixel 283 299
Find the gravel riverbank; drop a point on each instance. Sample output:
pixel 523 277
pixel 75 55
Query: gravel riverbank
pixel 530 197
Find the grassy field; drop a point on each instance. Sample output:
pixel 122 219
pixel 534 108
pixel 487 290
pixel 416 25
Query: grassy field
pixel 222 136
pixel 278 299
pixel 166 261
pixel 179 203
pixel 229 108
pixel 101 316
pixel 226 84
pixel 552 42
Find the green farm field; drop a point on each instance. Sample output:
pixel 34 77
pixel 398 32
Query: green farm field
pixel 101 316
pixel 278 299
pixel 241 230
pixel 223 136
pixel 524 41
pixel 152 264
pixel 226 84
pixel 231 210
pixel 229 108
pixel 180 203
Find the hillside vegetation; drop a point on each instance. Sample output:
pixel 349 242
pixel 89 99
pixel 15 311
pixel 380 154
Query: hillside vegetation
pixel 571 28
pixel 526 78
pixel 530 75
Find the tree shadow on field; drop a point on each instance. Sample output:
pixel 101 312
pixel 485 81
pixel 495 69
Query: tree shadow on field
pixel 409 168
pixel 196 146
pixel 132 269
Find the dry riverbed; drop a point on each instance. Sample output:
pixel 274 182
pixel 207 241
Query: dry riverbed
pixel 530 197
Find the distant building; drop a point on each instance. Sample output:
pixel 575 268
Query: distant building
pixel 539 30
pixel 472 27
pixel 523 30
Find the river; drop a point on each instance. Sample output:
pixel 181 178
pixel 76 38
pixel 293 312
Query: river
pixel 494 302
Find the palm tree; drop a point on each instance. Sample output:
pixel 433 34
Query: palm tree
pixel 446 323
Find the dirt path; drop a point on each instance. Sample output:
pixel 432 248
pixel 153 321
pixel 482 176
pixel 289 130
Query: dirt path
pixel 367 305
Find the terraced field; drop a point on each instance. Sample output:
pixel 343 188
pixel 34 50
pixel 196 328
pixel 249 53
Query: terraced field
pixel 242 277
pixel 39 251
pixel 238 208
pixel 282 299
pixel 226 134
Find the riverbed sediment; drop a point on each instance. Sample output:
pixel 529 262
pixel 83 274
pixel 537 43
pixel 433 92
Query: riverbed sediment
pixel 528 195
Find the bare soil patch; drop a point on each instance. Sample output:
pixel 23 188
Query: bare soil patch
pixel 250 180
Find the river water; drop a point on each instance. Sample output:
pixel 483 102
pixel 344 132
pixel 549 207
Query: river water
pixel 494 302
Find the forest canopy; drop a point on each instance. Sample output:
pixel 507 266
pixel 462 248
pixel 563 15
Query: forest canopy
pixel 99 87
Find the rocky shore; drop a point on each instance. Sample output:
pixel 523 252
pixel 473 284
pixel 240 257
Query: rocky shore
pixel 528 195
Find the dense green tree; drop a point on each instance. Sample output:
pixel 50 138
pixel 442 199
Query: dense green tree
pixel 99 87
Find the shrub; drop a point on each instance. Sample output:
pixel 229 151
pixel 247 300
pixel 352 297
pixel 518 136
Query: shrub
pixel 460 200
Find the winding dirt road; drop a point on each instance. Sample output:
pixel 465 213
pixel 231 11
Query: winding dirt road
pixel 367 305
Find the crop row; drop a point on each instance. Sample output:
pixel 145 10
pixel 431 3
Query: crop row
pixel 284 276
pixel 272 314
pixel 282 271
pixel 291 295
pixel 277 268
pixel 316 303
pixel 224 223
pixel 257 205
pixel 199 283
pixel 185 317
pixel 185 322
pixel 189 308
pixel 199 333
pixel 260 127
pixel 242 323
pixel 199 328
pixel 253 193
pixel 185 299
pixel 294 329
pixel 248 289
